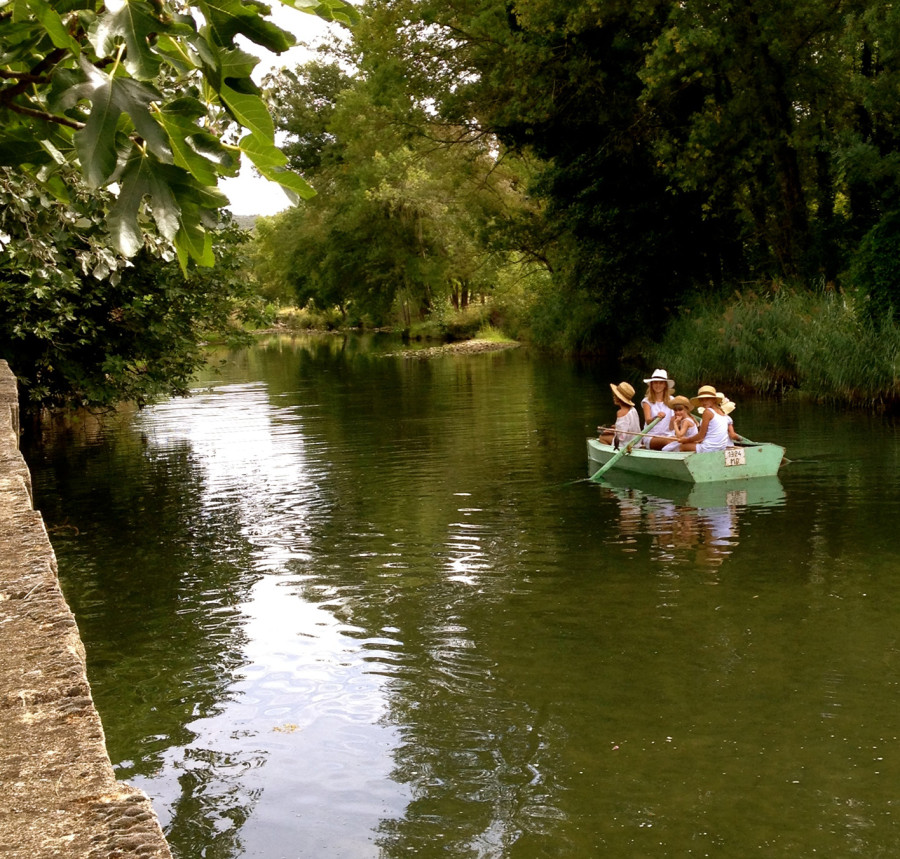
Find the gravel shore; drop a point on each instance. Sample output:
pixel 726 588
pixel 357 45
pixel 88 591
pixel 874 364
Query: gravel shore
pixel 463 347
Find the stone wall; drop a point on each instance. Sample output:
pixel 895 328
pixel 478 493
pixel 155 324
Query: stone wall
pixel 58 793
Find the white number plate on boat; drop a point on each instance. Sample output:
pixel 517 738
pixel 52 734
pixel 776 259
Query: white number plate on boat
pixel 735 456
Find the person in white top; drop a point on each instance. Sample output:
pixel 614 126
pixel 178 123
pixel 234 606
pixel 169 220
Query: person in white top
pixel 727 408
pixel 683 424
pixel 713 432
pixel 628 425
pixel 656 403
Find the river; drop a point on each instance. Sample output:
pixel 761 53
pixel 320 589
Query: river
pixel 345 605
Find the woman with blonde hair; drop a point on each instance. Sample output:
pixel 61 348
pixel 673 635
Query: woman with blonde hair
pixel 656 404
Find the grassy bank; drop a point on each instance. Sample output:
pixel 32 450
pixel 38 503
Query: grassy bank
pixel 815 344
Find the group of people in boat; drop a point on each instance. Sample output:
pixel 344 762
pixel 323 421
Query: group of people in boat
pixel 676 427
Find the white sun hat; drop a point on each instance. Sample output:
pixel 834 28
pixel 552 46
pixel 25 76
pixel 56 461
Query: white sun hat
pixel 661 376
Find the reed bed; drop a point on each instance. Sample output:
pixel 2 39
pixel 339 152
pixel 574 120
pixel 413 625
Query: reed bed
pixel 817 344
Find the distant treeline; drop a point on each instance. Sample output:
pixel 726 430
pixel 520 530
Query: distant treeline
pixel 593 169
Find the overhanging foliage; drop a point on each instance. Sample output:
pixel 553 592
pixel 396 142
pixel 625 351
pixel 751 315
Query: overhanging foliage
pixel 153 98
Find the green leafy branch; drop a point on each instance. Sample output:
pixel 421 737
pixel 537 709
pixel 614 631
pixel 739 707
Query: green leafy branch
pixel 140 95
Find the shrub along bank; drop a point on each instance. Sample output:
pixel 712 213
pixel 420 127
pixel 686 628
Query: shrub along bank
pixel 818 344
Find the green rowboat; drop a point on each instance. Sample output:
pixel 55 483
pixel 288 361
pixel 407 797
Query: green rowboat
pixel 735 463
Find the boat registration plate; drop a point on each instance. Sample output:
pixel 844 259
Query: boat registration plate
pixel 735 456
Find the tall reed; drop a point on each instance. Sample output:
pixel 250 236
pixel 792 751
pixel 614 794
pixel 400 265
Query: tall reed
pixel 816 343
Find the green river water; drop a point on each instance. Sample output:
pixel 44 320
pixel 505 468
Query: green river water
pixel 342 605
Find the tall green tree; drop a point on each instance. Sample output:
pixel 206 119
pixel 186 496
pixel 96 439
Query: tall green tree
pixel 562 82
pixel 407 208
pixel 746 95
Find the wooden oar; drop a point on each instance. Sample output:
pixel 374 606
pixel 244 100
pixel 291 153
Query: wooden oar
pixel 623 450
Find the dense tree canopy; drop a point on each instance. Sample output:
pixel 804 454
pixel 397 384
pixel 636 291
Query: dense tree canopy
pixel 684 148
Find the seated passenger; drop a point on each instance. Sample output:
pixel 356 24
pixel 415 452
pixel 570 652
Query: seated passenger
pixel 727 408
pixel 683 424
pixel 628 425
pixel 656 404
pixel 713 431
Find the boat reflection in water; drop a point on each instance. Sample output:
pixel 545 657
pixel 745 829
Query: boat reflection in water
pixel 684 522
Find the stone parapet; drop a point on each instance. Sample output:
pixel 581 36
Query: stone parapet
pixel 60 794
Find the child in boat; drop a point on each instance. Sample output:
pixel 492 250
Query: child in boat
pixel 727 407
pixel 628 425
pixel 683 423
pixel 656 403
pixel 713 431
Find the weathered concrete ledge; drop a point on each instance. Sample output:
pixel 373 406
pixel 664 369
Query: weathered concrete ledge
pixel 60 797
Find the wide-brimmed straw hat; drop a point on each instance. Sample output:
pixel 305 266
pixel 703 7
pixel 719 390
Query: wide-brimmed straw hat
pixel 707 392
pixel 660 376
pixel 623 392
pixel 680 401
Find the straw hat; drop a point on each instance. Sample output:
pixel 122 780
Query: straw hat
pixel 707 392
pixel 660 376
pixel 623 392
pixel 725 404
pixel 680 401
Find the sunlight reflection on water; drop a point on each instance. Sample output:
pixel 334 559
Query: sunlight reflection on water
pixel 305 690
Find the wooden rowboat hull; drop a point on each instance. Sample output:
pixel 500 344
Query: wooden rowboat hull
pixel 736 463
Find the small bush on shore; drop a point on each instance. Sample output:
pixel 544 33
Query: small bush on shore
pixel 492 334
pixel 445 323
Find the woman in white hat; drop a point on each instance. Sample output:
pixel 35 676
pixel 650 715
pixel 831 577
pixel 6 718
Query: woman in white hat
pixel 657 403
pixel 713 433
pixel 628 425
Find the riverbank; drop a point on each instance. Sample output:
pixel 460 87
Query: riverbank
pixel 61 797
pixel 472 346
